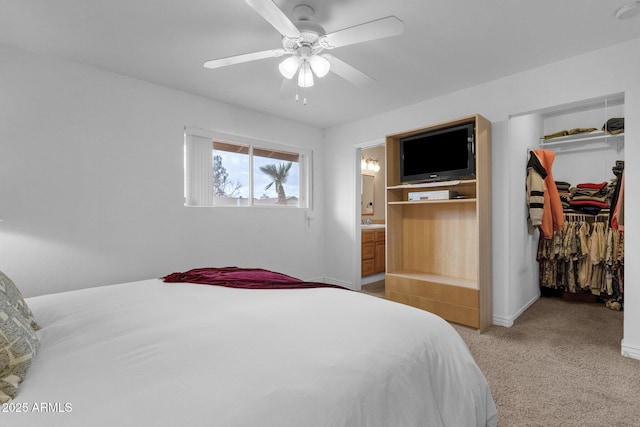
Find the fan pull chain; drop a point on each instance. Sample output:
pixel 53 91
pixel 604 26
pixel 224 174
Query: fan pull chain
pixel 304 98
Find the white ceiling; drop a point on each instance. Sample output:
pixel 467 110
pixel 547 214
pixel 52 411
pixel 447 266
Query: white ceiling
pixel 446 45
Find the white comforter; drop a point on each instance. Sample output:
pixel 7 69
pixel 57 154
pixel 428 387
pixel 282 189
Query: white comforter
pixel 150 353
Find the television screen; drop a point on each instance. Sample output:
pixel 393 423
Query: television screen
pixel 442 154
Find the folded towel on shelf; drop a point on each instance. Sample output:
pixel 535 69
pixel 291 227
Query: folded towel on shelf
pixel 576 131
pixel 556 134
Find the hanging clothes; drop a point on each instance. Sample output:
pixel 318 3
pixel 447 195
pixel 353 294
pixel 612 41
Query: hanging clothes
pixel 534 183
pixel 586 256
pixel 617 219
pixel 552 210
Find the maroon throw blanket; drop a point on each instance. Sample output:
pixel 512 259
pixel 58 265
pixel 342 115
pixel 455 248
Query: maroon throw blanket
pixel 246 278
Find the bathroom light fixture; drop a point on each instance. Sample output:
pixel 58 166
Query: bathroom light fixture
pixel 628 10
pixel 371 164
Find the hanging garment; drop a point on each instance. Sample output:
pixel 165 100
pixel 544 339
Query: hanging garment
pixel 535 192
pixel 617 219
pixel 553 214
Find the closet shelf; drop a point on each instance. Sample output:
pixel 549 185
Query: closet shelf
pixel 581 142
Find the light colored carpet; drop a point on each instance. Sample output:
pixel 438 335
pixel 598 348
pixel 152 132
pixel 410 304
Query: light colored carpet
pixel 559 365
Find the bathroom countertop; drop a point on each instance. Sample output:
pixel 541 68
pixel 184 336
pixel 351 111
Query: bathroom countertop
pixel 372 226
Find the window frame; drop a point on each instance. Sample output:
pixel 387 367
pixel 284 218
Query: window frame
pixel 305 166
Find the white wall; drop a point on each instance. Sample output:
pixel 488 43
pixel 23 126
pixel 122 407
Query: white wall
pixel 91 182
pixel 603 72
pixel 523 133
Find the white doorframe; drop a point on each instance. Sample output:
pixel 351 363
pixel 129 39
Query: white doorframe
pixel 357 250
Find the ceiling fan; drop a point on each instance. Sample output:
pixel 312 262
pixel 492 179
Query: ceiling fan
pixel 304 41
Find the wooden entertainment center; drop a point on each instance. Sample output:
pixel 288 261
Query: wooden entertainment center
pixel 439 251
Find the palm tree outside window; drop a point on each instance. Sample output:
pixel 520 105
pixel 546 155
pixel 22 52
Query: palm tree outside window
pixel 278 174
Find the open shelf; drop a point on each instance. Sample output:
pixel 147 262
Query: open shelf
pixel 466 190
pixel 416 202
pixel 436 184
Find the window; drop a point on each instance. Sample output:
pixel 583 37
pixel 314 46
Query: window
pixel 226 170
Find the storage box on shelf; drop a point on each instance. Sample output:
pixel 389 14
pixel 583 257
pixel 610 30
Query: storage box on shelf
pixel 439 251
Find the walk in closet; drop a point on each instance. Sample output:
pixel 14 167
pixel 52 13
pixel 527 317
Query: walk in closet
pixel 582 259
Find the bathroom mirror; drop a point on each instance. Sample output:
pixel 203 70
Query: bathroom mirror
pixel 366 198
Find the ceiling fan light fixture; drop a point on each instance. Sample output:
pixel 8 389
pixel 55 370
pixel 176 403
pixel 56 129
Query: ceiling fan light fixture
pixel 289 67
pixel 305 76
pixel 319 65
pixel 304 39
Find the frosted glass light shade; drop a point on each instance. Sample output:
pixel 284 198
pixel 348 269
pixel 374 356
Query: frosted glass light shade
pixel 289 67
pixel 305 76
pixel 319 65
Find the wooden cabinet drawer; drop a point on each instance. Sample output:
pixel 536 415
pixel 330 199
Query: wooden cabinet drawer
pixel 368 236
pixel 368 267
pixel 368 250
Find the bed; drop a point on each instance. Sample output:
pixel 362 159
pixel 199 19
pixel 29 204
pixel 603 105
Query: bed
pixel 158 353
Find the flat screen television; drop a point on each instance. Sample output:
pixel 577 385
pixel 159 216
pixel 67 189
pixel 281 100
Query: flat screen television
pixel 443 154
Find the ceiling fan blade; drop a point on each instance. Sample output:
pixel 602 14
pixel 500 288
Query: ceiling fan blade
pixel 276 17
pixel 349 73
pixel 378 29
pixel 238 59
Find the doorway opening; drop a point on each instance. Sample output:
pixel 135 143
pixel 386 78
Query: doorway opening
pixel 370 220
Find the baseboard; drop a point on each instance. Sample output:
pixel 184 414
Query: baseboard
pixel 373 278
pixel 630 350
pixel 507 321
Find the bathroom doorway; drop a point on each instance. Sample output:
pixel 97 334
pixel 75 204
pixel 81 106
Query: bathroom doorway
pixel 371 216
